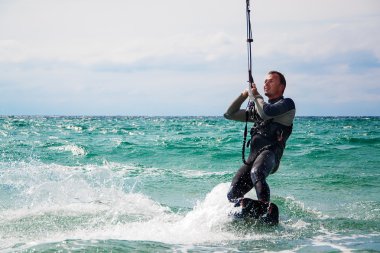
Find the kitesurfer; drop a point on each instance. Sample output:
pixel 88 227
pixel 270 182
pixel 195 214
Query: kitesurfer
pixel 273 123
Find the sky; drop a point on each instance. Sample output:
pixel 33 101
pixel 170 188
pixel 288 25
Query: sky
pixel 185 57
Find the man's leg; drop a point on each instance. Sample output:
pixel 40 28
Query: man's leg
pixel 261 168
pixel 241 184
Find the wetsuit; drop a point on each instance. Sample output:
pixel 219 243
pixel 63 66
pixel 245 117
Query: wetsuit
pixel 273 122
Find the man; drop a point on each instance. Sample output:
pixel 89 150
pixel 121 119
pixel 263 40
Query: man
pixel 273 122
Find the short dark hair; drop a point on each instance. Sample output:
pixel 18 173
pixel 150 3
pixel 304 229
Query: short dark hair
pixel 282 77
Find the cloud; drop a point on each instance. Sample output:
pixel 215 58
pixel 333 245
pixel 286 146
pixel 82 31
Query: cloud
pixel 320 40
pixel 185 57
pixel 181 48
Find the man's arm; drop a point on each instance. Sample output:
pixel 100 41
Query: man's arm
pixel 267 111
pixel 234 112
pixel 282 111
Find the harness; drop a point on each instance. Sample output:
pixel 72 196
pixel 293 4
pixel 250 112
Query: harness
pixel 275 133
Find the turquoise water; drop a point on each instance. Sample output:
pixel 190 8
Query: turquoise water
pixel 158 184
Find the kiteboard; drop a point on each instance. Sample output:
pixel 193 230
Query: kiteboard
pixel 253 210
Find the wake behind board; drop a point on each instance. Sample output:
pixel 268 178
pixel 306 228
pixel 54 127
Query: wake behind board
pixel 254 210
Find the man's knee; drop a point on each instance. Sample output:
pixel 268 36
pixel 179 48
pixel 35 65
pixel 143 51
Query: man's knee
pixel 263 167
pixel 232 195
pixel 257 175
pixel 235 193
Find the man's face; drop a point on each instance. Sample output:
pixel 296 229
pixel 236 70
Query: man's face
pixel 272 86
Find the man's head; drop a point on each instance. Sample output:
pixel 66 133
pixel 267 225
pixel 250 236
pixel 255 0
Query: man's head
pixel 274 84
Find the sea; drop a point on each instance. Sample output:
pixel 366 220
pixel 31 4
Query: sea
pixel 159 184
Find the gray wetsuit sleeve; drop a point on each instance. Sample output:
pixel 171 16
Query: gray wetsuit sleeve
pixel 282 111
pixel 234 112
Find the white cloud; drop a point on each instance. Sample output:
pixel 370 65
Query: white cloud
pixel 127 31
pixel 190 53
pixel 277 12
pixel 320 40
pixel 179 47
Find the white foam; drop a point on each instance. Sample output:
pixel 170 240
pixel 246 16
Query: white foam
pixel 329 239
pixel 117 141
pixel 92 203
pixel 75 150
pixel 201 174
pixel 203 224
pixel 51 194
pixel 74 128
pixel 296 204
pixel 106 210
pixel 300 224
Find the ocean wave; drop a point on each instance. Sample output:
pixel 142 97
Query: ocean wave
pixel 90 203
pixel 77 129
pixel 108 218
pixel 75 150
pixel 202 174
pixel 136 181
pixel 363 140
pixel 295 213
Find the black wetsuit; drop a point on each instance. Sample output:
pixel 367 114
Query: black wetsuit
pixel 273 126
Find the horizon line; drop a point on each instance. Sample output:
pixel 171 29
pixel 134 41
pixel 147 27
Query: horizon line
pixel 172 116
